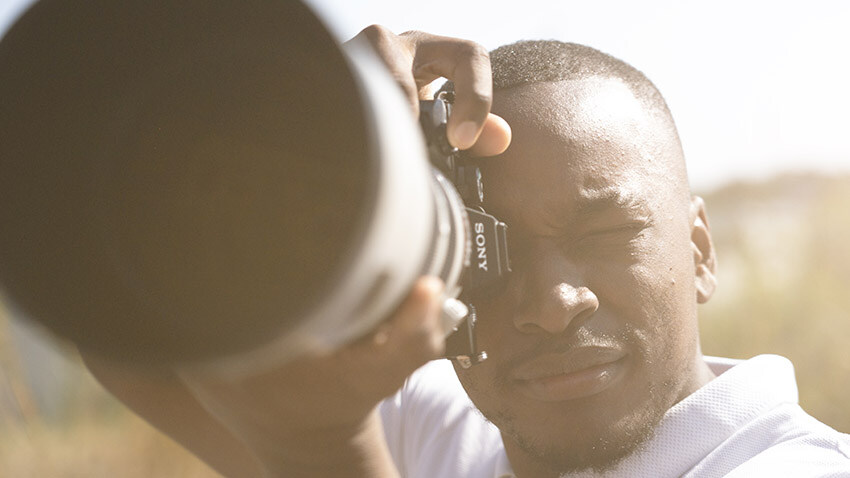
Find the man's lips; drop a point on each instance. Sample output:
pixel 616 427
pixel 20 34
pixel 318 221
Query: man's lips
pixel 578 373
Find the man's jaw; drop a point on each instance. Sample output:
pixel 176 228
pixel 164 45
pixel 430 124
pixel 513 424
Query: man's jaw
pixel 598 448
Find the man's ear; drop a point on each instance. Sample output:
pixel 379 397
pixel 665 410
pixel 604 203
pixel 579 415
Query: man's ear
pixel 705 260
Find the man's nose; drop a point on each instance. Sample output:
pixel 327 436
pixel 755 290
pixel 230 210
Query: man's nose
pixel 555 297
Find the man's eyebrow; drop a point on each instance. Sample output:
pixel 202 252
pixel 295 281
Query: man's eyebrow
pixel 595 201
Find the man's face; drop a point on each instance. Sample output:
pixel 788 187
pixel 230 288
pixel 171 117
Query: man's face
pixel 595 335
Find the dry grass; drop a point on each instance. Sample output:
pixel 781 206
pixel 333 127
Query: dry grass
pixel 90 435
pixel 784 282
pixel 123 446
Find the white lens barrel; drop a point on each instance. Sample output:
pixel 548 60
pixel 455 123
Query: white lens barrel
pixel 395 245
pixel 451 247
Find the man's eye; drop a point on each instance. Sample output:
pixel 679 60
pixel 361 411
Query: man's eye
pixel 611 239
pixel 617 231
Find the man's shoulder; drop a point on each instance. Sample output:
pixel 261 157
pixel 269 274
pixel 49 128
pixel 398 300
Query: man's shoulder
pixel 769 434
pixel 798 445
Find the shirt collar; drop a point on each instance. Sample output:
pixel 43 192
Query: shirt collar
pixel 741 391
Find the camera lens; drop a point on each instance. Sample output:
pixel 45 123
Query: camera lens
pixel 450 247
pixel 173 192
pixel 221 198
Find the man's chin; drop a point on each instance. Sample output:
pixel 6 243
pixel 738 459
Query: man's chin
pixel 597 446
pixel 599 455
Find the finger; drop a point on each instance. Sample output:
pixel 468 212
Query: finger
pixel 415 330
pixel 410 338
pixel 467 64
pixel 397 54
pixel 415 321
pixel 494 139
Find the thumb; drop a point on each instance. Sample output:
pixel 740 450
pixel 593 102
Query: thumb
pixel 494 139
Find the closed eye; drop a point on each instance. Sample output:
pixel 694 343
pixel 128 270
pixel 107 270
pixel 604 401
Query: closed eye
pixel 622 238
pixel 622 229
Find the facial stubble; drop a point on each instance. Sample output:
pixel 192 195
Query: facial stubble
pixel 601 448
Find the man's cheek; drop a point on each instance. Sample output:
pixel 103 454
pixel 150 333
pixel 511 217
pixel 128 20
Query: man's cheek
pixel 626 287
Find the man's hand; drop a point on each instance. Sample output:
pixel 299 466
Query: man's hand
pixel 415 59
pixel 316 415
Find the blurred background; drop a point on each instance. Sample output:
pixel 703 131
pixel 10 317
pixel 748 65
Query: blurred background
pixel 759 93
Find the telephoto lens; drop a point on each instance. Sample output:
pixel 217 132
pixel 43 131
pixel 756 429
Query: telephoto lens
pixel 210 184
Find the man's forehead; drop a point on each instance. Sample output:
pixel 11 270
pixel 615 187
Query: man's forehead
pixel 581 145
pixel 585 132
pixel 558 201
pixel 589 103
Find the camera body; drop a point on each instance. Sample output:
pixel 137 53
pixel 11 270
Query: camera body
pixel 486 261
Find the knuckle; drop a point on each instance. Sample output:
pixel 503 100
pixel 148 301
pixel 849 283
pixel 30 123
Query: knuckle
pixel 473 51
pixel 473 54
pixel 413 34
pixel 477 102
pixel 480 99
pixel 378 34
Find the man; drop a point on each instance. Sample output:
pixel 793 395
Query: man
pixel 595 365
pixel 594 361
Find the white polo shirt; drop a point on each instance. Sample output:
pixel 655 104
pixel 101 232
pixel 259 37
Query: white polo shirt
pixel 744 423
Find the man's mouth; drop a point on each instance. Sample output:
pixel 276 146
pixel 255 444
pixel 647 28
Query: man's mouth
pixel 571 375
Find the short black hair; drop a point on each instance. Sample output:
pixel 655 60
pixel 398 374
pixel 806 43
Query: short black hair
pixel 537 61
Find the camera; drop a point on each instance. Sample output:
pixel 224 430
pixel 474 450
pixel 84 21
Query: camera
pixel 225 199
pixel 483 237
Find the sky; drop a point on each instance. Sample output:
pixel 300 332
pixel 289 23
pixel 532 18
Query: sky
pixel 757 87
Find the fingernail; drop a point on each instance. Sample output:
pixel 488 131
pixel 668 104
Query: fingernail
pixel 453 312
pixel 464 135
